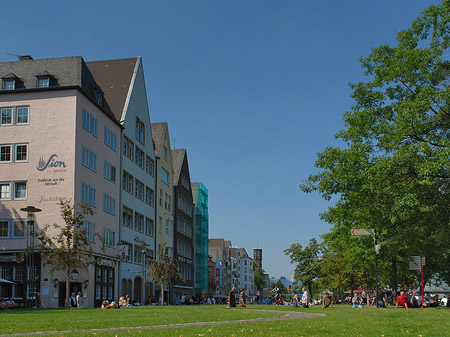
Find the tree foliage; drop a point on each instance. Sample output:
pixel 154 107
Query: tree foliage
pixel 393 173
pixel 67 247
pixel 258 277
pixel 163 270
pixel 308 262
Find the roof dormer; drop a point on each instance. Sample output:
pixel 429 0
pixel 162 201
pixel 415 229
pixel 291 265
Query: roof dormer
pixel 11 82
pixel 45 80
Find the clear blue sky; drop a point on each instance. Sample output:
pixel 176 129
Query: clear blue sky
pixel 253 89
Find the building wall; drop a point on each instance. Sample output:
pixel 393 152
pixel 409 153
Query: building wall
pixel 55 136
pixel 201 222
pixel 141 240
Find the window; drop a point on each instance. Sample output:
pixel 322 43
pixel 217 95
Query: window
pixel 164 153
pixel 160 197
pixel 128 182
pixel 4 226
pixel 148 229
pixel 110 139
pixel 90 123
pixel 164 176
pixel 9 84
pixel 89 229
pixel 43 82
pixel 139 157
pixel 127 217
pixel 109 204
pixel 184 227
pixel 5 153
pixel 109 237
pixel 128 148
pixel 140 131
pixel 185 205
pixel 109 172
pixel 137 255
pixel 138 189
pixel 5 191
pixel 138 222
pixel 149 166
pixel 165 200
pixel 185 183
pixel 19 228
pixel 128 257
pixel 89 159
pixel 149 198
pixel 6 116
pixel 20 190
pixel 22 113
pixel 21 152
pixel 159 224
pixel 88 194
pixel 169 202
pixel 167 226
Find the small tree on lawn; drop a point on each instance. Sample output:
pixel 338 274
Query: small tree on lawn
pixel 67 247
pixel 163 270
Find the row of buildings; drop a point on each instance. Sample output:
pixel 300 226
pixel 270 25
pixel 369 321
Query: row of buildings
pixel 233 266
pixel 81 131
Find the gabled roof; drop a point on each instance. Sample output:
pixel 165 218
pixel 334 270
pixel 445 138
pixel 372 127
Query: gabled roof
pixel 115 78
pixel 159 131
pixel 178 156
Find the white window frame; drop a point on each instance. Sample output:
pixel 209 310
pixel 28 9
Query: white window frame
pixel 17 115
pixel 5 183
pixel 16 183
pixel 10 153
pixel 16 152
pixel 7 81
pixel 11 109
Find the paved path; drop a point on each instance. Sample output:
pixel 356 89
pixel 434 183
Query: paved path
pixel 283 316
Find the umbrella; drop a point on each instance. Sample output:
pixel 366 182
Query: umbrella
pixel 2 280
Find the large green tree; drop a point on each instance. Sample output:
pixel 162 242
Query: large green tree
pixel 393 172
pixel 308 268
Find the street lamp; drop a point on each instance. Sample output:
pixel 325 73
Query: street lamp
pixel 74 274
pixel 30 291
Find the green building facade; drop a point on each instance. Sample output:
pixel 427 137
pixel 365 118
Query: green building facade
pixel 201 224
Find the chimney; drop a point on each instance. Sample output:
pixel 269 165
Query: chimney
pixel 25 57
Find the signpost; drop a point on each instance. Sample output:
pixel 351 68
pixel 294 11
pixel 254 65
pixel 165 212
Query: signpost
pixel 417 263
pixel 371 231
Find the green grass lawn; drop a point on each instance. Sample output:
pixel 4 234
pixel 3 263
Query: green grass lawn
pixel 339 321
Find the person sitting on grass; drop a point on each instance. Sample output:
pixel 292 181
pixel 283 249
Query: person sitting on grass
pixel 109 305
pixel 356 302
pixel 242 298
pixel 231 299
pixel 327 301
pixel 402 300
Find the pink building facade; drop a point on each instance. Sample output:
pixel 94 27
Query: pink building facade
pixel 57 143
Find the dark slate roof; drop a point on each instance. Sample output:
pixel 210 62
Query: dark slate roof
pixel 68 72
pixel 114 77
pixel 158 133
pixel 177 162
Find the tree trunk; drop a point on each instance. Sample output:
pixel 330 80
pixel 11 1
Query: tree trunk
pixel 68 288
pixel 394 280
pixel 162 293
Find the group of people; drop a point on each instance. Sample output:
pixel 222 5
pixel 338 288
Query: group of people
pixel 304 301
pixel 231 300
pixel 76 301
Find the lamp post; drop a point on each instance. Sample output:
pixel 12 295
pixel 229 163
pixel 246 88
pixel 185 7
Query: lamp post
pixel 30 277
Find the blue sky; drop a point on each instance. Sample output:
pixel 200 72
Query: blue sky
pixel 253 89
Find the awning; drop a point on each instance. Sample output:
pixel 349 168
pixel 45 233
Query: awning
pixel 2 280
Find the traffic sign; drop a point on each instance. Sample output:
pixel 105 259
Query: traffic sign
pixel 362 231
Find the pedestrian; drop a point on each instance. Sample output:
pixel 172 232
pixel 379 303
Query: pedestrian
pixel 305 298
pixel 242 301
pixel 73 301
pixel 231 298
pixel 295 301
pixel 79 300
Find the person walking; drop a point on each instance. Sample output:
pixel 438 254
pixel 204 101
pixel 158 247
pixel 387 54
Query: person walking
pixel 73 301
pixel 79 300
pixel 305 298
